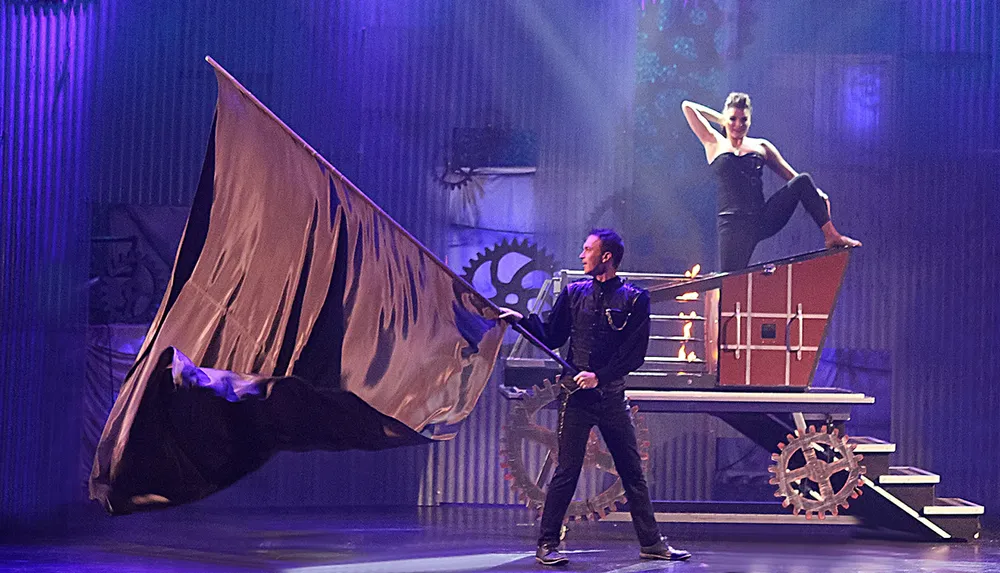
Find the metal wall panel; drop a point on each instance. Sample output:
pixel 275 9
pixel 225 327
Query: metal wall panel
pixel 48 55
pixel 377 88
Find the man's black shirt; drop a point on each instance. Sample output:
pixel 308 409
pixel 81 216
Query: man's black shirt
pixel 607 324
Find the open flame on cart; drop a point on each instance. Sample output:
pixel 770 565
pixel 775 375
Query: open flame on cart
pixel 683 353
pixel 690 274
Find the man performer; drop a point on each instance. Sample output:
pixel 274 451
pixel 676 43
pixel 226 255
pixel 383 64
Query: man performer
pixel 607 323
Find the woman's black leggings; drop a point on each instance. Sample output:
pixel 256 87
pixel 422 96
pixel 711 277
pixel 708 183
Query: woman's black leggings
pixel 739 234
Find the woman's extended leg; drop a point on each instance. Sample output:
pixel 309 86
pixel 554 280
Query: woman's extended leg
pixel 801 189
pixel 780 206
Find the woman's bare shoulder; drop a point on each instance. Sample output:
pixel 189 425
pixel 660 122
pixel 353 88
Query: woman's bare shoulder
pixel 761 146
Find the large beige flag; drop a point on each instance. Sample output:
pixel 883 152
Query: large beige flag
pixel 299 316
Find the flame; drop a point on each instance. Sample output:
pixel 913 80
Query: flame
pixel 683 353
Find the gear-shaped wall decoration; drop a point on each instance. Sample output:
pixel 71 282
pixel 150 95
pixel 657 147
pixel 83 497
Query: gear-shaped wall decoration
pixel 129 290
pixel 457 178
pixel 806 472
pixel 526 265
pixel 522 428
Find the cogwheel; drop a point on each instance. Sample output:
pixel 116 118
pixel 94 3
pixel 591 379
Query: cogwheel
pixel 522 429
pixel 456 178
pixel 619 205
pixel 130 289
pixel 817 472
pixel 525 263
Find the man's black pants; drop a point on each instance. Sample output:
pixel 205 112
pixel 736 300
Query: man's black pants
pixel 584 410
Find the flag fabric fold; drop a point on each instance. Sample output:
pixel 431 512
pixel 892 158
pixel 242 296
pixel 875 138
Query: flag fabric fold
pixel 298 316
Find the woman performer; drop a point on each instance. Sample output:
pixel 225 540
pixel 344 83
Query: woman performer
pixel 745 218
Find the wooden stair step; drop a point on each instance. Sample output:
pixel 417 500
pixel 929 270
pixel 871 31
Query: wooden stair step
pixel 913 486
pixel 868 445
pixel 876 454
pixel 908 475
pixel 953 506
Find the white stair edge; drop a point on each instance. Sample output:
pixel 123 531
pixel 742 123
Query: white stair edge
pixel 752 518
pixel 878 447
pixel 962 507
pixel 875 448
pixel 920 477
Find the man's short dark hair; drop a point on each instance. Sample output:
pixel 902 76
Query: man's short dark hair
pixel 611 242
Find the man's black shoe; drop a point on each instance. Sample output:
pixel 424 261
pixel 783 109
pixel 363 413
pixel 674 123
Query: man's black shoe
pixel 663 551
pixel 549 555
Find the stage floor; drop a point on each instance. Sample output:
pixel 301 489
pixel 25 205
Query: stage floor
pixel 456 538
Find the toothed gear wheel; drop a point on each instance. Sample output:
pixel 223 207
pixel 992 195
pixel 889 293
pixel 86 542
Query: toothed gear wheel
pixel 458 178
pixel 130 290
pixel 806 472
pixel 521 428
pixel 525 263
pixel 618 205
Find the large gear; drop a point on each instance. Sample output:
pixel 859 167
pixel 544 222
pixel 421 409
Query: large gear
pixel 524 258
pixel 457 178
pixel 522 428
pixel 806 472
pixel 619 206
pixel 129 290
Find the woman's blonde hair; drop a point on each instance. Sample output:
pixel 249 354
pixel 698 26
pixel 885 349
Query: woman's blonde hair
pixel 738 100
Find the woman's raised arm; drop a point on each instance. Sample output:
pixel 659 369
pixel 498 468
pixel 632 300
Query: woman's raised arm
pixel 777 162
pixel 698 118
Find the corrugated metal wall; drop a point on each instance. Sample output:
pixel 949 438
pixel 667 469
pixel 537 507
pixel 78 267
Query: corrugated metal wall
pixel 377 88
pixel 467 468
pixel 48 80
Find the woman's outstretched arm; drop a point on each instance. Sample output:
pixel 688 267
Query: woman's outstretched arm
pixel 776 162
pixel 698 118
